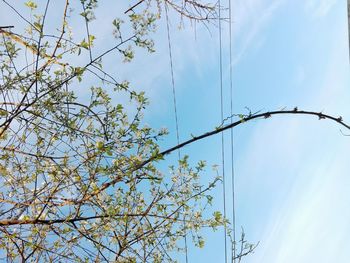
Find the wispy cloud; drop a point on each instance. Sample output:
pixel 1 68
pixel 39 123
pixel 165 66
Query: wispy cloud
pixel 309 225
pixel 319 8
pixel 251 18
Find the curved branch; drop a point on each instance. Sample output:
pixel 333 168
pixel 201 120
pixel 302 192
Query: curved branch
pixel 245 118
pixel 250 117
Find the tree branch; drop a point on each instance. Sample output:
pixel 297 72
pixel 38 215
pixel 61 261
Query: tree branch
pixel 245 118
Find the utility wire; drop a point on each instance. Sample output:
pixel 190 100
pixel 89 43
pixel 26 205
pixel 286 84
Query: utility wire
pixel 172 76
pixel 349 25
pixel 175 106
pixel 222 134
pixel 232 139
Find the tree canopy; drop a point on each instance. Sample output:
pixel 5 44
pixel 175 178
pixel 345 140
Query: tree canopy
pixel 78 174
pixel 79 177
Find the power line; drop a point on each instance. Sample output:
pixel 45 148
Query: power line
pixel 175 107
pixel 232 137
pixel 172 77
pixel 222 134
pixel 349 25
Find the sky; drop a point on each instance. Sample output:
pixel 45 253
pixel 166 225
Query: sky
pixel 291 173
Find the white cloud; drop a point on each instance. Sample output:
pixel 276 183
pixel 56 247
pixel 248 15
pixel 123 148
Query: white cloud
pixel 319 8
pixel 250 17
pixel 311 223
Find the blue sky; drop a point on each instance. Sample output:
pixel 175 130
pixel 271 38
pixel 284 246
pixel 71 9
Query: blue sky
pixel 292 178
pixel 292 173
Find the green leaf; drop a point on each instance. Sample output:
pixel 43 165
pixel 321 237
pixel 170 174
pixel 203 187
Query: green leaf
pixel 84 44
pixel 38 26
pixel 3 113
pixel 217 216
pixel 91 39
pixel 31 5
pixel 201 243
pixel 99 145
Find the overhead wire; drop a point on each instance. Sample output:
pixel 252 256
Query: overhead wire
pixel 175 106
pixel 222 134
pixel 222 118
pixel 348 9
pixel 232 136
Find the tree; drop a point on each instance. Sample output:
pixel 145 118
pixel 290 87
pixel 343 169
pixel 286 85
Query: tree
pixel 75 183
pixel 78 174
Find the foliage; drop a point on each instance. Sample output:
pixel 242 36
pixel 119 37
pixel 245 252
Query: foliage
pixel 78 171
